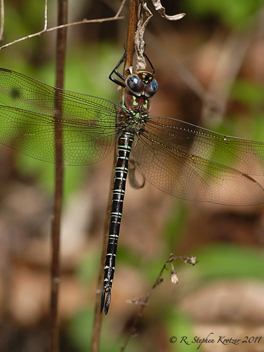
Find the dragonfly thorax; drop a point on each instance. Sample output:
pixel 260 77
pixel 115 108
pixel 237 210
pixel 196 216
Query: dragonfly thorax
pixel 135 113
pixel 131 102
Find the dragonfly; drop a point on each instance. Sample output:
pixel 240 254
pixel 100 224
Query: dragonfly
pixel 179 158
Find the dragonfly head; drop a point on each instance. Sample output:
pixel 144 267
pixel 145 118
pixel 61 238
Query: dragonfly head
pixel 142 83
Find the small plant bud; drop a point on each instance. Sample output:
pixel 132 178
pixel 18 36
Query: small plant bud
pixel 174 277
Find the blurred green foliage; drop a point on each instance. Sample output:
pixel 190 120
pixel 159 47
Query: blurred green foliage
pixel 87 70
pixel 229 261
pixel 175 224
pixel 249 95
pixel 248 92
pixel 181 326
pixel 234 13
pixel 217 263
pixel 80 329
pixel 91 77
pixel 87 268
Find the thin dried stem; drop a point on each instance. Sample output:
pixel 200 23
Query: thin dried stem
pixel 46 15
pixel 45 29
pixel 55 266
pixel 143 301
pixel 120 8
pixel 2 9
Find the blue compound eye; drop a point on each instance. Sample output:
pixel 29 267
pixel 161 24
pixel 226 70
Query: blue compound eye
pixel 135 84
pixel 151 88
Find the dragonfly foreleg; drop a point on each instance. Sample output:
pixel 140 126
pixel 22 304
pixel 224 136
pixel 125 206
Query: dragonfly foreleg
pixel 152 67
pixel 115 70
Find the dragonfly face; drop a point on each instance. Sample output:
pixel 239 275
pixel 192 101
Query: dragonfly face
pixel 142 83
pixel 140 87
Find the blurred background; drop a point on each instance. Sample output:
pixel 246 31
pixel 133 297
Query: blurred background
pixel 210 70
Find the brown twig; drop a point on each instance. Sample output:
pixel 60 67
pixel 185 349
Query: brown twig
pixel 131 30
pixel 55 265
pixel 98 316
pixel 143 301
pixel 45 29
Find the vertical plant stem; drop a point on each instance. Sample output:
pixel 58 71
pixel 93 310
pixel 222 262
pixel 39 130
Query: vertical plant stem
pixel 132 22
pixel 56 224
pixel 131 30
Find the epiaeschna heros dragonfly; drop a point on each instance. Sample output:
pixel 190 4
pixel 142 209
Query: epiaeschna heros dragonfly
pixel 179 158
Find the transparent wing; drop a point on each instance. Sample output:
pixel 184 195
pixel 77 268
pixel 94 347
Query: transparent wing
pixel 27 120
pixel 196 164
pixel 244 155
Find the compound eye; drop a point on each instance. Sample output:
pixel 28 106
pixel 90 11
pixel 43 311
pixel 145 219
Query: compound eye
pixel 134 84
pixel 151 88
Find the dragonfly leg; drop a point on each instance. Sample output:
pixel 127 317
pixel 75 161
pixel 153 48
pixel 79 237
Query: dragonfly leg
pixel 152 67
pixel 115 70
pixel 122 84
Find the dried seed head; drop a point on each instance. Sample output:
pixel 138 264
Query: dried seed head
pixel 174 277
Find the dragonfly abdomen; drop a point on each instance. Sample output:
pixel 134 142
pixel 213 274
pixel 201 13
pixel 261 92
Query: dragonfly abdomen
pixel 125 142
